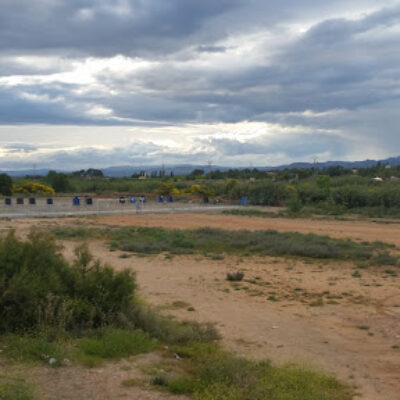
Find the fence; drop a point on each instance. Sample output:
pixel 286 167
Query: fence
pixel 15 207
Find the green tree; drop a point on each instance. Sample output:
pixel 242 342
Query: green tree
pixel 58 181
pixel 5 184
pixel 197 172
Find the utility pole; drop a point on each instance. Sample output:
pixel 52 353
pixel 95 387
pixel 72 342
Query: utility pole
pixel 209 165
pixel 315 159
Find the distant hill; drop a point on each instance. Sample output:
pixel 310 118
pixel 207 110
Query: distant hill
pixel 25 172
pixel 176 169
pixel 392 161
pixel 183 169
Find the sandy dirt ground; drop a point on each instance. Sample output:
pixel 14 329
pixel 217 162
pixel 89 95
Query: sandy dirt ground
pixel 286 310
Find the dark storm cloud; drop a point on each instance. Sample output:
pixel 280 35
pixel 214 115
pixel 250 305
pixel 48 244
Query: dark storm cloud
pixel 343 56
pixel 104 27
pixel 40 105
pixel 211 49
pixel 336 64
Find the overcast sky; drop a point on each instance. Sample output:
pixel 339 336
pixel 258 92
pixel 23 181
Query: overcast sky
pixel 96 83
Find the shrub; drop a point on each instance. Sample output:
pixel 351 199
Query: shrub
pixel 160 380
pixel 170 331
pixel 268 194
pixel 235 276
pixel 294 205
pixel 39 288
pixel 33 187
pixel 384 258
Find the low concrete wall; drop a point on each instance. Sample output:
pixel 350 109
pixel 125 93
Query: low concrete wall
pixel 63 206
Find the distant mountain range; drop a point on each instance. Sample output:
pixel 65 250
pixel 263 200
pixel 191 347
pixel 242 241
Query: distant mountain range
pixel 126 170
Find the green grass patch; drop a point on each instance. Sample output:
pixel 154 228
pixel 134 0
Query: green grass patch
pixel 79 232
pixel 251 212
pixel 145 240
pixel 33 348
pixel 12 388
pixel 116 343
pixel 212 374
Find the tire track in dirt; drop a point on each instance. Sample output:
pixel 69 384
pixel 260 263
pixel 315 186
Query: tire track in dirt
pixel 381 306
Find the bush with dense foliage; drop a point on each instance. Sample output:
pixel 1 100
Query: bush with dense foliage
pixel 5 184
pixel 33 187
pixel 268 193
pixel 39 288
pixel 58 181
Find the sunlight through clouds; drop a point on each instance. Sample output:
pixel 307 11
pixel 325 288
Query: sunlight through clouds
pixel 252 82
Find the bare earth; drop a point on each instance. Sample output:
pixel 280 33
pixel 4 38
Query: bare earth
pixel 316 314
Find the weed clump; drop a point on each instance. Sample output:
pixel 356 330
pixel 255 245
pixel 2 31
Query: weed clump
pixel 384 258
pixel 235 276
pixel 169 330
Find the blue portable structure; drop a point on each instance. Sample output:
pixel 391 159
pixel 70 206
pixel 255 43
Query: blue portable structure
pixel 243 200
pixel 160 198
pixel 170 199
pixel 132 199
pixel 76 201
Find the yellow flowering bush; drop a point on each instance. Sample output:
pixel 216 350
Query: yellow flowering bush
pixel 33 187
